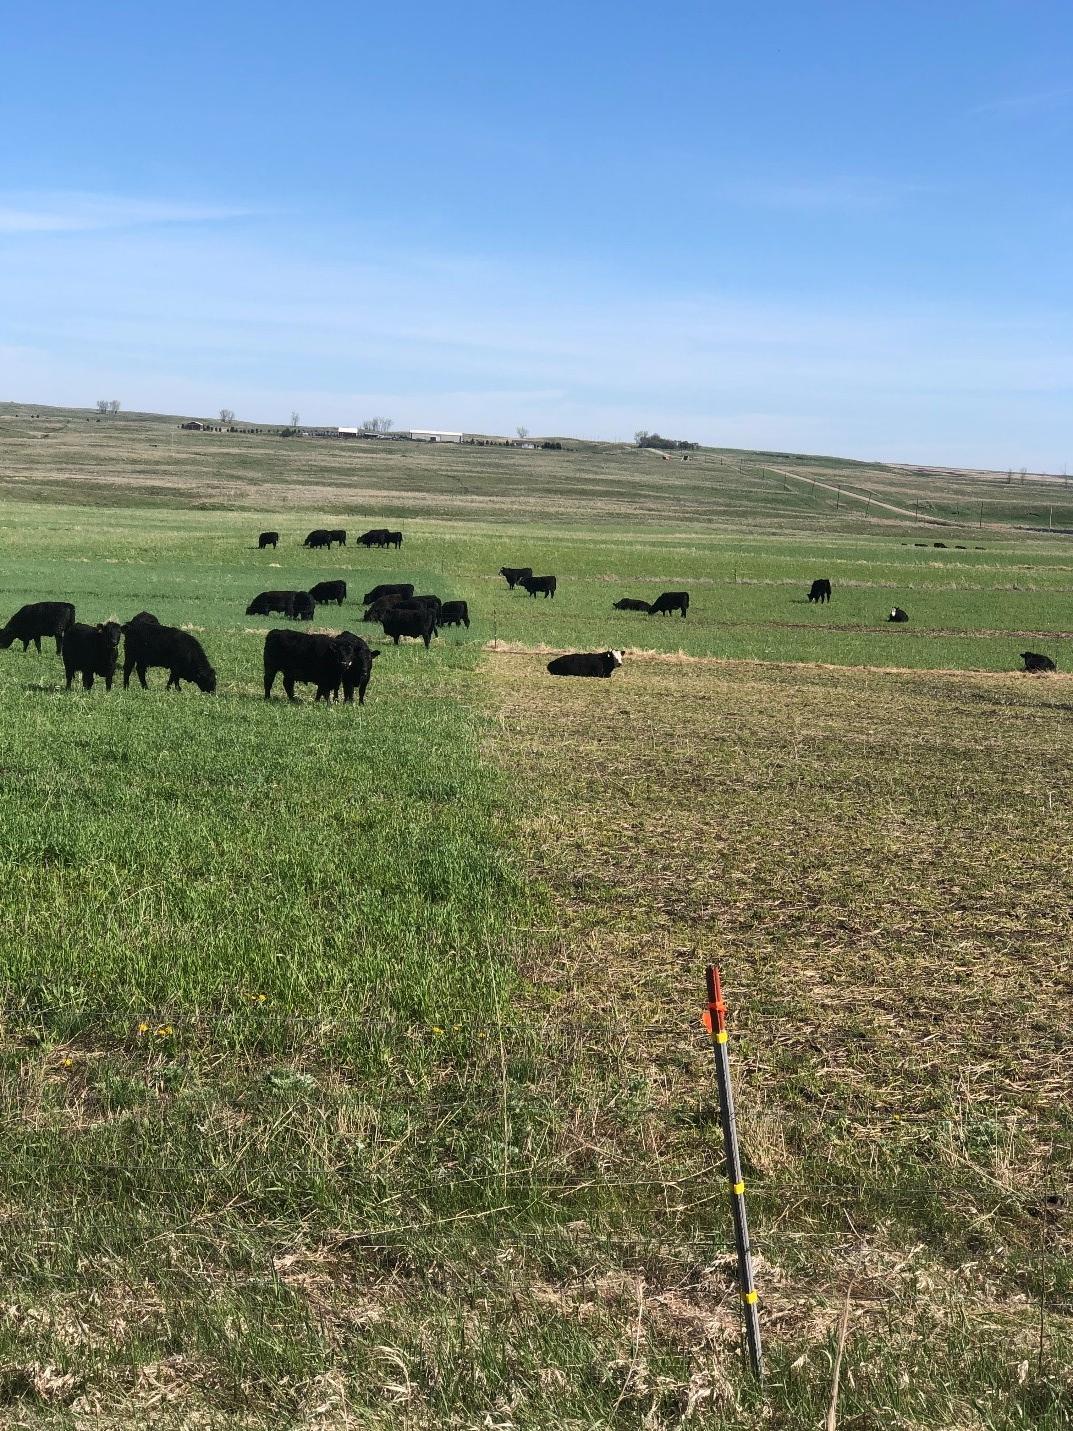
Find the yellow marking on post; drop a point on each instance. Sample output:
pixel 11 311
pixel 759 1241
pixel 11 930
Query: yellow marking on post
pixel 739 1188
pixel 750 1297
pixel 722 1036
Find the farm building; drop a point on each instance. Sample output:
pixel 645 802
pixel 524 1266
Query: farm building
pixel 193 426
pixel 422 435
pixel 347 431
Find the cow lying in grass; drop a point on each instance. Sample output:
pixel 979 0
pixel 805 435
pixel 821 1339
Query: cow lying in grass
pixel 602 663
pixel 1035 662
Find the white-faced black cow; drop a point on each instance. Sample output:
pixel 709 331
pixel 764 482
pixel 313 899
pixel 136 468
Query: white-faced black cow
pixel 39 618
pixel 602 663
pixel 820 590
pixel 147 643
pixel 668 602
pixel 1035 662
pixel 897 614
pixel 91 651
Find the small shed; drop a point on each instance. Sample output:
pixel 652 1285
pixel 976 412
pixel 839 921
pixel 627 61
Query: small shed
pixel 428 435
pixel 192 426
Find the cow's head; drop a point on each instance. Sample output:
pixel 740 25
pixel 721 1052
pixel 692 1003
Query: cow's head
pixel 111 631
pixel 206 680
pixel 616 657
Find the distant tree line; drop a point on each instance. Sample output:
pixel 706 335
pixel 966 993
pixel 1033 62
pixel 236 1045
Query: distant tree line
pixel 666 444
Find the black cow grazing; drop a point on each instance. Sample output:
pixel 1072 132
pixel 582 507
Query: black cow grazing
pixel 298 605
pixel 39 618
pixel 419 622
pixel 150 644
pixel 597 664
pixel 375 537
pixel 514 574
pixel 356 676
pixel 337 534
pixel 631 603
pixel 382 605
pixel 321 661
pixel 388 588
pixel 454 613
pixel 533 584
pixel 326 591
pixel 1035 662
pixel 267 539
pixel 942 545
pixel 91 651
pixel 897 614
pixel 318 538
pixel 394 539
pixel 668 602
pixel 820 590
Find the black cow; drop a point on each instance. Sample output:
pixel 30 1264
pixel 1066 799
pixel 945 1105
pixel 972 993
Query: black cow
pixel 318 538
pixel 432 602
pixel 387 588
pixel 514 574
pixel 375 537
pixel 326 591
pixel 820 590
pixel 267 539
pixel 1035 662
pixel 419 622
pixel 148 644
pixel 597 664
pixel 381 606
pixel 533 584
pixel 91 651
pixel 39 618
pixel 631 603
pixel 668 602
pixel 394 539
pixel 897 614
pixel 143 618
pixel 356 676
pixel 454 613
pixel 322 661
pixel 337 534
pixel 298 605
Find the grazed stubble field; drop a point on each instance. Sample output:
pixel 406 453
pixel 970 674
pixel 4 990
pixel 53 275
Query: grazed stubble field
pixel 351 1071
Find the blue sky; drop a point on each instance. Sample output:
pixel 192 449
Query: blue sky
pixel 825 227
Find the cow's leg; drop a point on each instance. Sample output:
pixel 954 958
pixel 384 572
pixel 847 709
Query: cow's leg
pixel 70 678
pixel 270 677
pixel 288 686
pixel 87 680
pixel 395 639
pixel 37 643
pixel 59 642
pixel 108 678
pixel 142 668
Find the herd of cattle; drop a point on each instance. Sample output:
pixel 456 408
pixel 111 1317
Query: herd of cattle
pixel 335 665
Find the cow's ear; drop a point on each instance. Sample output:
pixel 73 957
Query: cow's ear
pixel 373 655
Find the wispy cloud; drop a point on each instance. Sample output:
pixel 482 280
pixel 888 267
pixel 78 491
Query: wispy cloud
pixel 73 212
pixel 1037 102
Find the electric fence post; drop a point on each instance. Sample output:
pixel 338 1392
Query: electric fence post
pixel 715 1022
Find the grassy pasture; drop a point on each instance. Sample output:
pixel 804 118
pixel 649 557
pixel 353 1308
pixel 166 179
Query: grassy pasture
pixel 349 1065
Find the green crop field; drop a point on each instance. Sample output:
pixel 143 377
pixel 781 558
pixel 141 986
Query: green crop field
pixel 350 1064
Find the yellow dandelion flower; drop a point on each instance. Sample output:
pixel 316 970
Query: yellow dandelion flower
pixel 437 1030
pixel 143 1028
pixel 68 1063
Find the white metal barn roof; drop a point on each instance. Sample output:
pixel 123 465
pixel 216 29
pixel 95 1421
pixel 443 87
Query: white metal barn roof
pixel 430 435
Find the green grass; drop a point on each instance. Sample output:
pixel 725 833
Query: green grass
pixel 350 1071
